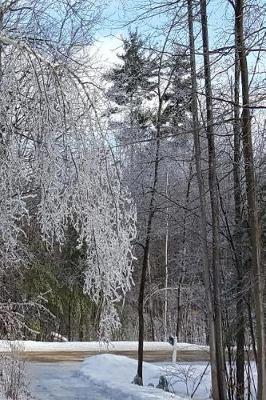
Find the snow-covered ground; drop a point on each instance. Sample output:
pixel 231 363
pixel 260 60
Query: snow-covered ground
pixel 33 346
pixel 61 381
pixel 107 377
pixel 114 374
pixel 103 377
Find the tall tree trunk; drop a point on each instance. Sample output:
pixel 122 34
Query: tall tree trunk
pixel 251 326
pixel 151 304
pixel 240 306
pixel 203 218
pixel 139 377
pixel 69 334
pixel 81 322
pixel 214 208
pixel 166 262
pixel 254 229
pixel 178 309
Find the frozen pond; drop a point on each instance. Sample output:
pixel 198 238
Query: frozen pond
pixel 60 381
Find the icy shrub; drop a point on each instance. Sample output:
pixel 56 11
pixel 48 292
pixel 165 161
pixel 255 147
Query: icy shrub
pixel 13 380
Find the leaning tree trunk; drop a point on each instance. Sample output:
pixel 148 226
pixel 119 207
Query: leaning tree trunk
pixel 220 364
pixel 203 218
pixel 254 229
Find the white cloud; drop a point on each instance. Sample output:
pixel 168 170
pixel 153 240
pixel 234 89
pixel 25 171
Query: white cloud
pixel 105 50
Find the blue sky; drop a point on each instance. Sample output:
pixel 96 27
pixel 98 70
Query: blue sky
pixel 120 12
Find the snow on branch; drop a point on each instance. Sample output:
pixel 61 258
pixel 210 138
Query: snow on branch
pixel 57 170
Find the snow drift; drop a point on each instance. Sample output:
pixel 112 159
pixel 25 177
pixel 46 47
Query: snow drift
pixel 114 375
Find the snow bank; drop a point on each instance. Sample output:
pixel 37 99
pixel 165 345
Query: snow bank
pixel 114 374
pixel 33 346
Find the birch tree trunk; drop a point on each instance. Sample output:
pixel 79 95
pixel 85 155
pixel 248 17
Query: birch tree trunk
pixel 254 229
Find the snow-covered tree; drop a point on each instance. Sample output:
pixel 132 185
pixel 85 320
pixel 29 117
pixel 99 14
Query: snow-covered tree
pixel 56 169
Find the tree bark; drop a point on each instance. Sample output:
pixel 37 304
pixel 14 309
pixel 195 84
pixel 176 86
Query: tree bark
pixel 203 218
pixel 240 306
pixel 254 228
pixel 214 208
pixel 139 378
pixel 166 263
pixel 151 305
